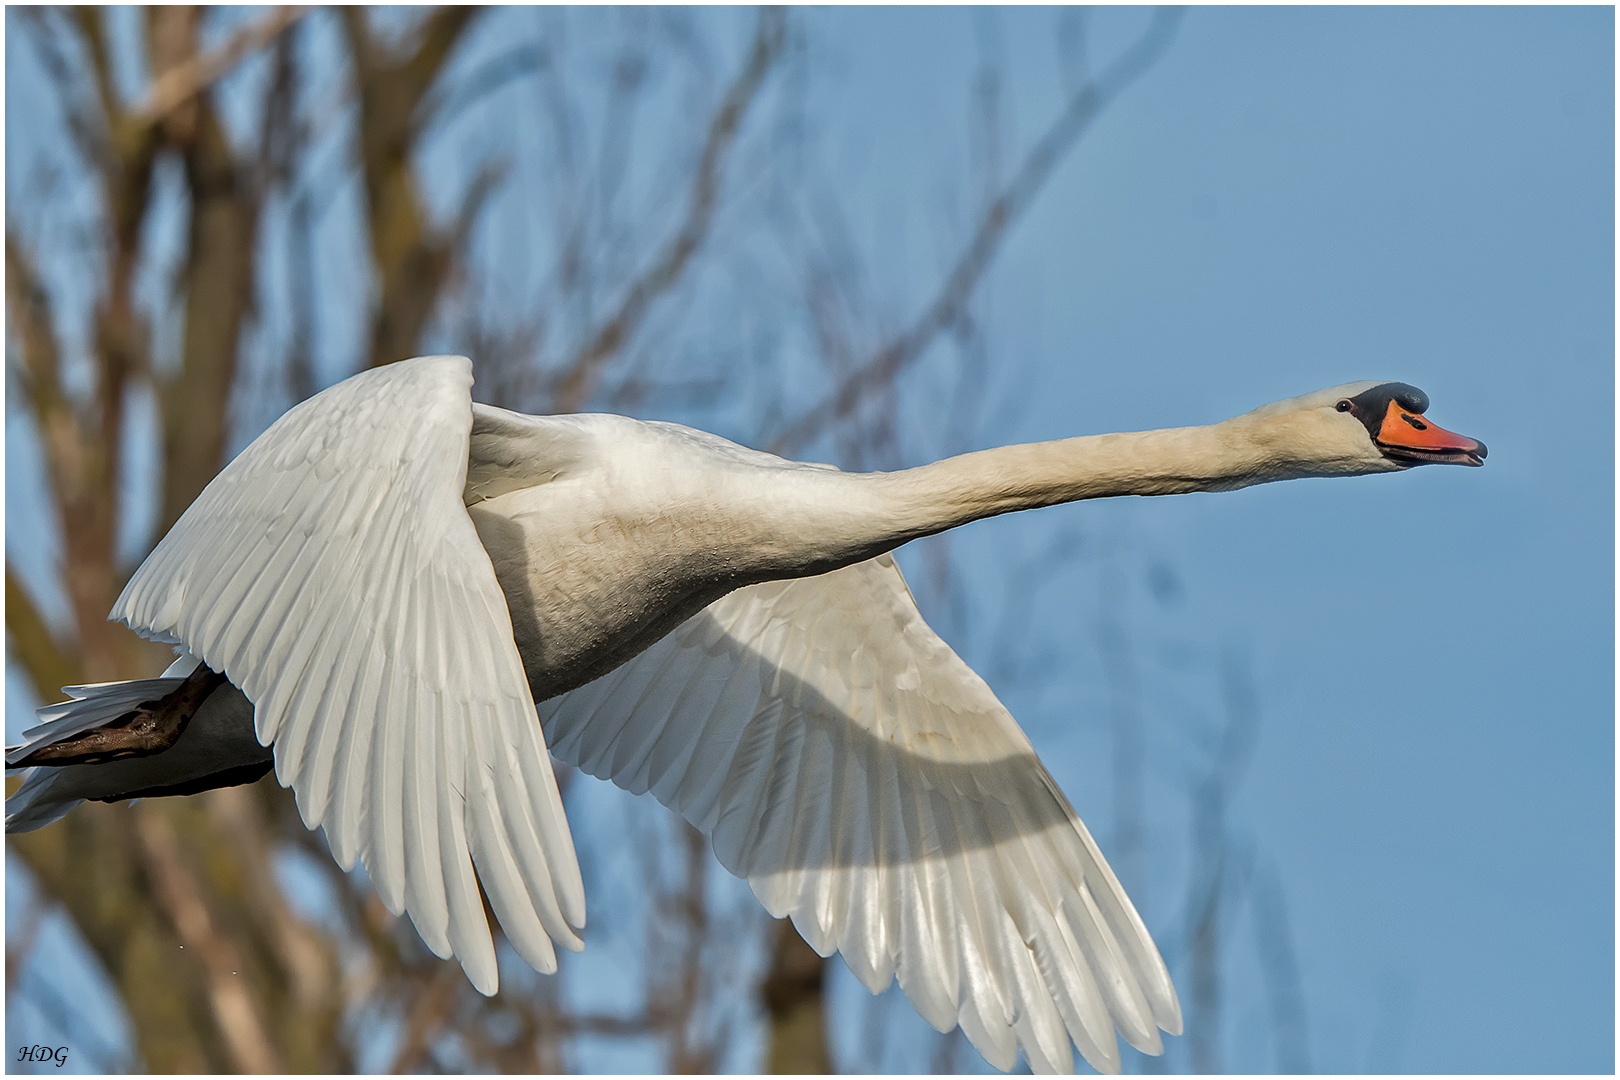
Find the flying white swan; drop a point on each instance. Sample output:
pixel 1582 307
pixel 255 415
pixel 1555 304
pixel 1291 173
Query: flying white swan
pixel 393 579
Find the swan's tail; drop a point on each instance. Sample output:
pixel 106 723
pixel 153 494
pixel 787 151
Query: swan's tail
pixel 218 748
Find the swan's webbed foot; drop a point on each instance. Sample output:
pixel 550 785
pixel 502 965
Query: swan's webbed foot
pixel 150 728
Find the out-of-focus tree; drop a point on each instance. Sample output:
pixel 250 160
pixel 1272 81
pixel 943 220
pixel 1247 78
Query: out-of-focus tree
pixel 219 212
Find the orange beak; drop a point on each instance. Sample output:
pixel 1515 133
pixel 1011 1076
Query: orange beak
pixel 1407 436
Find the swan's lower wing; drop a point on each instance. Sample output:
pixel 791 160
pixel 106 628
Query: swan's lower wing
pixel 867 783
pixel 332 573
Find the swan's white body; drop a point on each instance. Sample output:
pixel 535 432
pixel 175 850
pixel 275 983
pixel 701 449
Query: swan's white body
pixel 393 593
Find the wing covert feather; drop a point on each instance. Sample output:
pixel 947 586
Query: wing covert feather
pixel 866 782
pixel 331 571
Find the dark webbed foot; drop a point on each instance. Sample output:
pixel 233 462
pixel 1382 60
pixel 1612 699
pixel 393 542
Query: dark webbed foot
pixel 150 728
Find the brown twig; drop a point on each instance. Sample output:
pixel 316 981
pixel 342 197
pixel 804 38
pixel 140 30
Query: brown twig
pixel 575 386
pixel 82 479
pixel 440 106
pixel 49 666
pixel 235 1011
pixel 411 258
pixel 690 1052
pixel 184 81
pixel 792 993
pixel 306 959
pixel 89 21
pixel 430 1006
pixel 1284 992
pixel 1221 869
pixel 150 728
pixel 949 303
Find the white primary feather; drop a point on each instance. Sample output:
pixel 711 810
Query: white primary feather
pixel 332 573
pixel 866 782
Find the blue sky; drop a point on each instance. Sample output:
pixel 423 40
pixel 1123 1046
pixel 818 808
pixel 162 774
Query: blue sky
pixel 1291 199
pixel 1295 198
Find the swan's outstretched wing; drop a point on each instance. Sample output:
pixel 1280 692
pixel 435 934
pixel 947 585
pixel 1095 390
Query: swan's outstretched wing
pixel 867 783
pixel 332 573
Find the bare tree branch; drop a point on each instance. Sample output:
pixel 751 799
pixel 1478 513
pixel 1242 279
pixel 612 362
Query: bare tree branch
pixel 623 1026
pixel 184 81
pixel 1284 991
pixel 1125 700
pixel 301 291
pixel 411 260
pixel 82 480
pixel 575 386
pixel 234 1008
pixel 219 281
pixel 90 864
pixel 50 666
pixel 793 997
pixel 489 177
pixel 690 1053
pixel 94 33
pixel 281 136
pixel 303 1003
pixel 1221 869
pixel 442 105
pixel 127 895
pixel 957 289
pixel 90 138
pixel 431 1003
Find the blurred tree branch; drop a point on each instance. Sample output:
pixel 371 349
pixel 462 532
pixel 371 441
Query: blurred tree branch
pixel 1284 993
pixel 218 282
pixel 49 666
pixel 793 993
pixel 235 1011
pixel 186 79
pixel 411 259
pixel 1221 868
pixel 80 472
pixel 579 379
pixel 950 302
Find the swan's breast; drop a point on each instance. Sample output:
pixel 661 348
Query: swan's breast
pixel 601 556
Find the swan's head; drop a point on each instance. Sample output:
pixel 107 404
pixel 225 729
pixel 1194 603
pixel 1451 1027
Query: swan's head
pixel 1364 427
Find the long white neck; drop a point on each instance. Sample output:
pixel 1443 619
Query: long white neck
pixel 878 511
pixel 990 482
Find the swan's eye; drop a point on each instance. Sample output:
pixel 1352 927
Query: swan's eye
pixel 1344 406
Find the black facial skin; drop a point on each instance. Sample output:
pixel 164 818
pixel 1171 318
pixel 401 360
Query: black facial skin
pixel 1371 406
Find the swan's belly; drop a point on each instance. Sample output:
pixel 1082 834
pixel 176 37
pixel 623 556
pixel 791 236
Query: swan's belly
pixel 588 591
pixel 602 558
